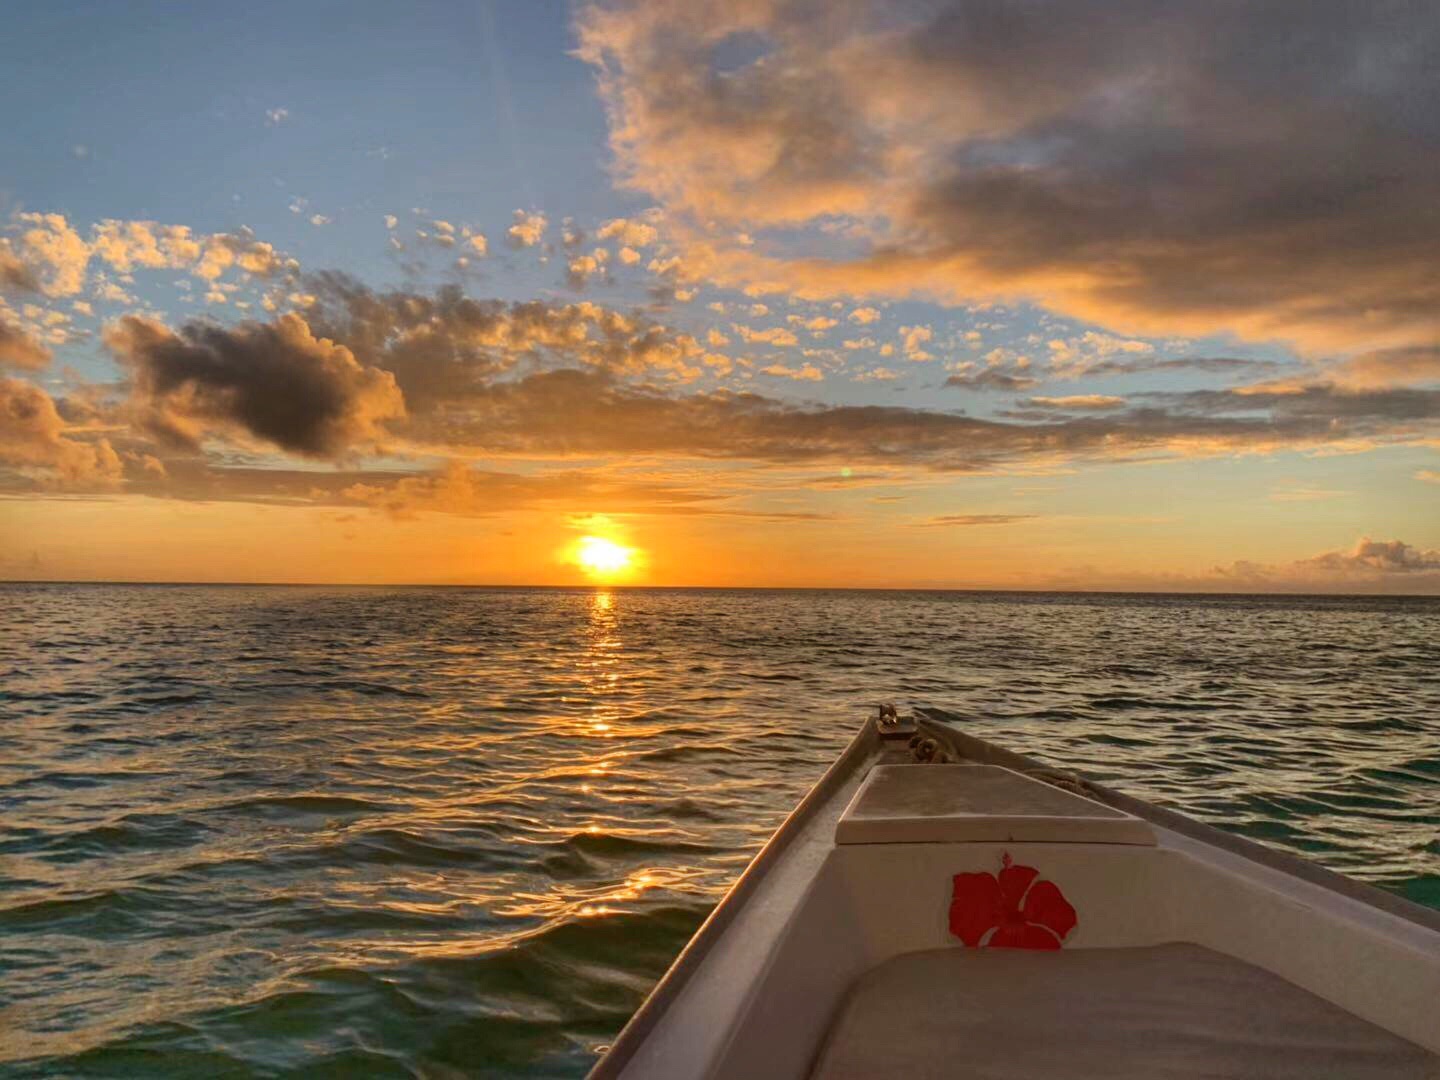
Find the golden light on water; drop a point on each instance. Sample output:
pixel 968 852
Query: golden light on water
pixel 603 559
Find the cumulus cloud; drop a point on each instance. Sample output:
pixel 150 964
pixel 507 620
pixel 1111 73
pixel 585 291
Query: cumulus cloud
pixel 774 335
pixel 527 231
pixel 14 273
pixel 1179 168
pixel 275 382
pixel 582 268
pixel 49 255
pixel 629 232
pixel 803 373
pixel 54 253
pixel 19 349
pixel 913 340
pixel 446 348
pixel 1383 565
pixel 34 440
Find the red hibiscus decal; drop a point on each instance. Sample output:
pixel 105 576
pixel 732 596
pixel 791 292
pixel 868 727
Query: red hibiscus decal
pixel 1011 910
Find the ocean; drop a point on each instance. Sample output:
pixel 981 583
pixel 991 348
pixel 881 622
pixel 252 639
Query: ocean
pixel 276 831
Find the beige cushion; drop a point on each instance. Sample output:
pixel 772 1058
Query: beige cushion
pixel 1144 1013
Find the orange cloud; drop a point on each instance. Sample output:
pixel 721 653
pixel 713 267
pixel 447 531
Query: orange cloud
pixel 1178 169
pixel 34 439
pixel 19 349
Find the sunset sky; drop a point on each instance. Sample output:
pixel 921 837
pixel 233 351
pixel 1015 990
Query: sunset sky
pixel 770 292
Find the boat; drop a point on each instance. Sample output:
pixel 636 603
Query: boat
pixel 939 906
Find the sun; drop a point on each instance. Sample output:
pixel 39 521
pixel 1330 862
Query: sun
pixel 601 558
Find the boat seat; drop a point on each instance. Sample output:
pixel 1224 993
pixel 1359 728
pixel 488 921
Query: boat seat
pixel 1152 1013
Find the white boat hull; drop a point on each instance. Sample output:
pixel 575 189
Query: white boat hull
pixel 760 987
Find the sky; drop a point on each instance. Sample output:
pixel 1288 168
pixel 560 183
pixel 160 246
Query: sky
pixel 927 293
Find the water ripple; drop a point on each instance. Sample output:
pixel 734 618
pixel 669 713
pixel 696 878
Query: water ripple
pixel 442 832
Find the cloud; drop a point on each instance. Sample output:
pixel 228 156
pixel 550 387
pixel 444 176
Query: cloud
pixel 420 375
pixel 527 231
pixel 457 488
pixel 277 116
pixel 978 519
pixel 875 374
pixel 1428 476
pixel 19 349
pixel 864 315
pixel 1382 368
pixel 1179 168
pixel 54 253
pixel 817 325
pixel 804 373
pixel 446 348
pixel 913 339
pixel 991 379
pixel 275 382
pixel 52 256
pixel 34 439
pixel 630 233
pixel 15 274
pixel 1087 402
pixel 582 268
pixel 1380 564
pixel 1215 365
pixel 774 335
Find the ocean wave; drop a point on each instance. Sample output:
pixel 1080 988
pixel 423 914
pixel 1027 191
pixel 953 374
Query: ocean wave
pixel 247 839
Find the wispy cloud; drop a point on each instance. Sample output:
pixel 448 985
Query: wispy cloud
pixel 978 519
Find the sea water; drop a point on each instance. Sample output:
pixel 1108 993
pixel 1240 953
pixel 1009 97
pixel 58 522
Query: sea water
pixel 280 831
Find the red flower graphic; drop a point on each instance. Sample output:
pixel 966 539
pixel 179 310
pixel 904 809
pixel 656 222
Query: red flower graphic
pixel 1022 912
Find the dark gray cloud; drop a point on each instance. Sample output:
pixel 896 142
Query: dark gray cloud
pixel 1216 365
pixel 992 379
pixel 276 382
pixel 1316 402
pixel 446 347
pixel 1269 168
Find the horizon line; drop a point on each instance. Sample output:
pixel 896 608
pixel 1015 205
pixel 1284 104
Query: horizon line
pixel 598 587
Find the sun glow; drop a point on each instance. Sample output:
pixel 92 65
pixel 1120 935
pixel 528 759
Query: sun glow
pixel 602 558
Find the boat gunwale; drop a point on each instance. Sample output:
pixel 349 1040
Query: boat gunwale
pixel 945 725
pixel 865 744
